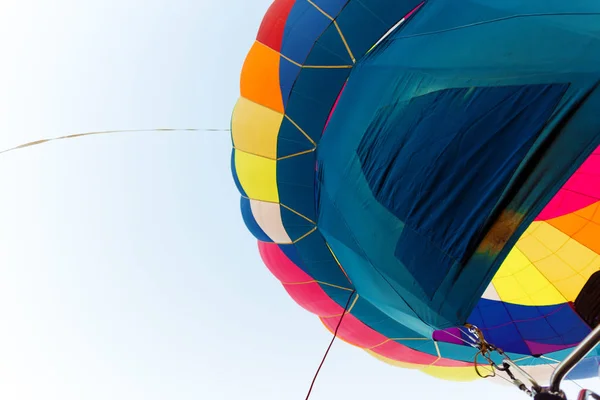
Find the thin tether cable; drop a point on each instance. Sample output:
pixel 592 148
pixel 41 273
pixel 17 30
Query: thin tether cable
pixel 78 135
pixel 330 344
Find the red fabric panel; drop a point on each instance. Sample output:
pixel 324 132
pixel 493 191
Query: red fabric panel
pixel 271 29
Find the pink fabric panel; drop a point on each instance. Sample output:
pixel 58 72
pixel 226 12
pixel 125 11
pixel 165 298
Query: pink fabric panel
pixel 580 191
pixel 354 331
pixel 281 266
pixel 312 298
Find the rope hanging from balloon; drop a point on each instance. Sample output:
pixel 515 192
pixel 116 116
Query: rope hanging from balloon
pixel 335 333
pixel 79 135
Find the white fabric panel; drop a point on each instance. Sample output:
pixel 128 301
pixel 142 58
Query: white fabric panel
pixel 268 217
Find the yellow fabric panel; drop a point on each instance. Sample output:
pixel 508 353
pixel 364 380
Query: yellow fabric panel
pixel 546 266
pixel 514 262
pixel 254 128
pixel 564 267
pixel 577 255
pixel 533 249
pixel 458 374
pixel 260 77
pixel 549 237
pixel 593 267
pixel 519 281
pixel 257 175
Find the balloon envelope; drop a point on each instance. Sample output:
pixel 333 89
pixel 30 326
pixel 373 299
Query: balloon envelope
pixel 438 157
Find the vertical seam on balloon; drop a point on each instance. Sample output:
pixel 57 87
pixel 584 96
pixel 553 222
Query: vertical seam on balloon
pixel 300 129
pixel 338 29
pixel 433 363
pixel 319 9
pixel 437 349
pixel 353 303
pixel 345 42
pixel 337 261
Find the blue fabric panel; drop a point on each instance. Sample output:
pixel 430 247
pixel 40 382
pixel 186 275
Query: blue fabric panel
pixel 302 29
pixel 390 12
pixel 251 223
pixel 318 261
pixel 295 181
pixel 424 346
pixel 331 220
pixel 560 325
pixel 291 252
pixel 508 326
pixel 428 264
pixel 586 368
pixel 291 140
pixel 355 15
pixel 331 7
pixel 378 321
pixel 363 238
pixel 340 296
pixel 236 180
pixel 318 179
pixel 376 289
pixel 457 352
pixel 364 22
pixel 473 12
pixel 496 323
pixel 445 182
pixel 313 96
pixel 295 226
pixel 288 72
pixel 329 49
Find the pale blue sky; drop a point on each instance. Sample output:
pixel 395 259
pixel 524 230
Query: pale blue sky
pixel 127 272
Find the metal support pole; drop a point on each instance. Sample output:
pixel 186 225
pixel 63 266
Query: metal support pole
pixel 586 394
pixel 573 358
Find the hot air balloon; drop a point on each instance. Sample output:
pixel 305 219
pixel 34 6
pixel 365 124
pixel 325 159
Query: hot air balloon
pixel 435 165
